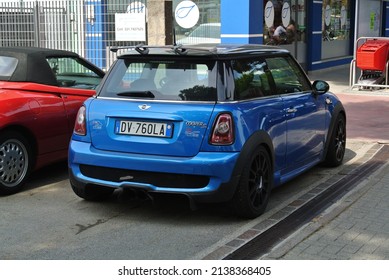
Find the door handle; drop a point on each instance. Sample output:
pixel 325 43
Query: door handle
pixel 291 110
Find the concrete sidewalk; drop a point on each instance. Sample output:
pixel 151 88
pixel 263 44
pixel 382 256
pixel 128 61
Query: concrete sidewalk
pixel 357 226
pixel 354 228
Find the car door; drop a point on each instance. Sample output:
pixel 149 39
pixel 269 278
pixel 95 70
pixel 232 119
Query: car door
pixel 304 111
pixel 50 120
pixel 261 108
pixel 77 81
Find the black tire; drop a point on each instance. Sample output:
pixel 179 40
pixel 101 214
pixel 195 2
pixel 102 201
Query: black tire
pixel 337 144
pixel 255 185
pixel 15 162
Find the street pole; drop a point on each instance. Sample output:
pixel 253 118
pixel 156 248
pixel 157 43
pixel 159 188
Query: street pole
pixel 160 22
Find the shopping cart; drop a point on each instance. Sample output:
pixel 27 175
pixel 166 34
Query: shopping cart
pixel 371 59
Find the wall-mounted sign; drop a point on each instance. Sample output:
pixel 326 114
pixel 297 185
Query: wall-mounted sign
pixel 285 14
pixel 343 17
pixel 187 14
pixel 130 27
pixel 269 14
pixel 327 15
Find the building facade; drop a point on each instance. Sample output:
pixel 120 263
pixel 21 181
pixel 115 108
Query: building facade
pixel 320 33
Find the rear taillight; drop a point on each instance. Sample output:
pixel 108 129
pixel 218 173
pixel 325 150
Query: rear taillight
pixel 80 124
pixel 223 130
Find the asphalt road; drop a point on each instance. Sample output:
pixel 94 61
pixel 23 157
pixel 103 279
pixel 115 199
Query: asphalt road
pixel 48 221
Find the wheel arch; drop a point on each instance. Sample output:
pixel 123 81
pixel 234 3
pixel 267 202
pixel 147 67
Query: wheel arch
pixel 259 138
pixel 30 137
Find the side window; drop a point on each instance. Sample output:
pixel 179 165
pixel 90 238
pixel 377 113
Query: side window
pixel 251 79
pixel 287 76
pixel 69 72
pixel 7 67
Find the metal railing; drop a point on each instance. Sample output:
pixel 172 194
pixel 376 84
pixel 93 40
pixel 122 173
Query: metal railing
pixel 86 27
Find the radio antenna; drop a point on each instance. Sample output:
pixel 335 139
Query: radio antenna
pixel 174 36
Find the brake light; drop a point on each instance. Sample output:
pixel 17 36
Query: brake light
pixel 80 124
pixel 223 130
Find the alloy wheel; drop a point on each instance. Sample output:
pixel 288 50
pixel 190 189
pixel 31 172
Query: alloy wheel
pixel 340 141
pixel 259 180
pixel 13 162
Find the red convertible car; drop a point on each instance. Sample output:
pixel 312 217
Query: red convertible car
pixel 41 91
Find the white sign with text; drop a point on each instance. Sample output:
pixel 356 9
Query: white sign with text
pixel 130 27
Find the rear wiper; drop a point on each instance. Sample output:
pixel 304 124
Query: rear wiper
pixel 139 94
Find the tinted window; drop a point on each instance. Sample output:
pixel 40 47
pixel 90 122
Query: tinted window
pixel 251 79
pixel 164 80
pixel 287 76
pixel 7 66
pixel 71 73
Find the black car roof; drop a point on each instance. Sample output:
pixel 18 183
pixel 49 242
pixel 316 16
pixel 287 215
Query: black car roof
pixel 32 65
pixel 36 50
pixel 215 50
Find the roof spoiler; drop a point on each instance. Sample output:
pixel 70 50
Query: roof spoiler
pixel 144 49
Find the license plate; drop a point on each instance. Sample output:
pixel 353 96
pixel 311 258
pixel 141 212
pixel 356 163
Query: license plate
pixel 154 129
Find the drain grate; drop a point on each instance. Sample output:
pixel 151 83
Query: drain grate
pixel 264 242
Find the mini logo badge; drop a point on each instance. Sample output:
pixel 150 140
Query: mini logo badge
pixel 144 107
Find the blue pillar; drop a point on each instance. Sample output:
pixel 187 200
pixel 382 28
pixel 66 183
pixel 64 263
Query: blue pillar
pixel 242 21
pixel 95 11
pixel 314 40
pixel 385 19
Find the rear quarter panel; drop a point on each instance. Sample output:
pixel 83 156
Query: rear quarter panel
pixel 46 112
pixel 263 114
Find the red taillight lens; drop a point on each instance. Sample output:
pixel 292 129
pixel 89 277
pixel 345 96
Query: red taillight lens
pixel 223 130
pixel 80 124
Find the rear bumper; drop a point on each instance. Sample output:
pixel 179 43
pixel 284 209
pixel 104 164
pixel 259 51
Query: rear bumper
pixel 207 177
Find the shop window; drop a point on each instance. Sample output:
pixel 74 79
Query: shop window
pixel 335 28
pixel 284 21
pixel 336 20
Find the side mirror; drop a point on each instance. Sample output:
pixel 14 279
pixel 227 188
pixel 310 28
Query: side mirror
pixel 320 87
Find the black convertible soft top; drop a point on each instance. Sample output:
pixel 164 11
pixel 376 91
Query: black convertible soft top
pixel 32 64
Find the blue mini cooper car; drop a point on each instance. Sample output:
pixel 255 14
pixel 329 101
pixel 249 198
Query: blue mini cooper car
pixel 215 123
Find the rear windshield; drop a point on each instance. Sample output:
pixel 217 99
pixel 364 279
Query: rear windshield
pixel 7 67
pixel 162 80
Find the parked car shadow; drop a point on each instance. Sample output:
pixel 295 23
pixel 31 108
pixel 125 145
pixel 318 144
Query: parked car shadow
pixel 47 175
